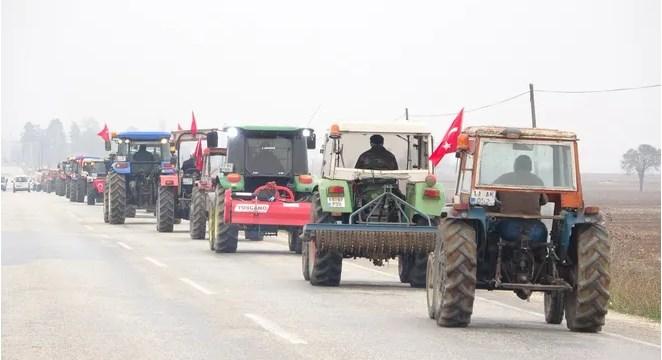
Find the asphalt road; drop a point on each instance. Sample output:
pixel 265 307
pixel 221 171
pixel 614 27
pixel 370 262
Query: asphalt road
pixel 76 288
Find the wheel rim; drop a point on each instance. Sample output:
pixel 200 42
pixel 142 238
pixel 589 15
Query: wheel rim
pixel 429 285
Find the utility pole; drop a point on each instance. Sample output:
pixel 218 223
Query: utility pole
pixel 533 106
pixel 407 114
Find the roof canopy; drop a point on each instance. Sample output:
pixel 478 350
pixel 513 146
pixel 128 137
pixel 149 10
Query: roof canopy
pixel 144 135
pixel 399 127
pixel 530 133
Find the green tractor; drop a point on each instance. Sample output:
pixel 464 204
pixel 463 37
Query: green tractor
pixel 371 206
pixel 263 187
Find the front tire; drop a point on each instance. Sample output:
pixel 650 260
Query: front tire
pixel 294 241
pixel 586 304
pixel 165 209
pixel 91 195
pixel 457 274
pixel 197 218
pixel 554 306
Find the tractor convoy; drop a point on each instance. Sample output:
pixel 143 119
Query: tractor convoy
pixel 516 219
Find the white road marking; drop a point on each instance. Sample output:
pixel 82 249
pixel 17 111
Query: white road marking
pixel 273 328
pixel 88 227
pixel 514 308
pixel 124 245
pixel 155 262
pixel 198 287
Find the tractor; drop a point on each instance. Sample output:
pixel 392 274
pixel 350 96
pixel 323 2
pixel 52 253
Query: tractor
pixel 263 187
pixel 61 178
pixel 135 175
pixel 50 180
pixel 213 160
pixel 518 222
pixel 67 172
pixel 378 207
pixel 88 179
pixel 180 184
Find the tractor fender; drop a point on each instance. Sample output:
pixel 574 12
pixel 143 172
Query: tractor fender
pixel 169 180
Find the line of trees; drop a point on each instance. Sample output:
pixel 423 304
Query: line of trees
pixel 46 147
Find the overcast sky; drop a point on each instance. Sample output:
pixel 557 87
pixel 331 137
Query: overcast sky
pixel 149 63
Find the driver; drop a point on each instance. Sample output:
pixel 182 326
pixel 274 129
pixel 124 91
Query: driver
pixel 377 158
pixel 142 154
pixel 189 164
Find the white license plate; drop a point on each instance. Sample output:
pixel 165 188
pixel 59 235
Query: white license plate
pixel 187 181
pixel 483 197
pixel 336 202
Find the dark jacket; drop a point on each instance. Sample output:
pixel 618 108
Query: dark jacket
pixel 188 164
pixel 377 158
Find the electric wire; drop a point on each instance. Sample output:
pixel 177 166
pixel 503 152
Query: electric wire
pixel 597 91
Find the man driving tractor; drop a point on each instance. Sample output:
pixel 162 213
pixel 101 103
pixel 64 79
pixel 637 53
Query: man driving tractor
pixel 377 158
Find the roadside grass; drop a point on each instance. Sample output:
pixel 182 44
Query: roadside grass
pixel 635 292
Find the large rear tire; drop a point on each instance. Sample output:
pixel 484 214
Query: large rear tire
pixel 227 235
pixel 106 218
pixel 418 270
pixel 457 274
pixel 404 267
pixel 73 190
pixel 116 198
pixel 294 241
pixel 91 195
pixel 324 267
pixel 165 209
pixel 433 285
pixel 130 211
pixel 197 218
pixel 80 190
pixel 586 304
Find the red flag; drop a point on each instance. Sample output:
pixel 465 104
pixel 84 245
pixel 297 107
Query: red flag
pixel 179 127
pixel 104 133
pixel 198 155
pixel 194 126
pixel 449 142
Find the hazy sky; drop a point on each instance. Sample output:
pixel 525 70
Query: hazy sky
pixel 149 63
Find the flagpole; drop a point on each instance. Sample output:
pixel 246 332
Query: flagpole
pixel 533 106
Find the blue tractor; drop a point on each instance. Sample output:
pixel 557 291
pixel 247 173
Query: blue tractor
pixel 134 177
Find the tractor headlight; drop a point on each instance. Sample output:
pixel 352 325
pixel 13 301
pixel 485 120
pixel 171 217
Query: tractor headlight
pixel 126 141
pixel 164 141
pixel 232 132
pixel 305 132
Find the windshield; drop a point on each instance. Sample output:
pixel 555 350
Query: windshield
pixel 526 164
pixel 410 151
pixel 144 151
pixel 271 156
pixel 96 167
pixel 21 179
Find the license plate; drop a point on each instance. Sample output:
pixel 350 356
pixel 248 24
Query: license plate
pixel 483 197
pixel 336 202
pixel 187 181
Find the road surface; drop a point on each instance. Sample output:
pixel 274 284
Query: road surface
pixel 76 288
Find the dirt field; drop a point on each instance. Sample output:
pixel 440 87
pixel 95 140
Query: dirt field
pixel 633 220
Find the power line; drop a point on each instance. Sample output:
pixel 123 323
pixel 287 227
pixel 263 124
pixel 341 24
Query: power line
pixel 510 98
pixel 598 91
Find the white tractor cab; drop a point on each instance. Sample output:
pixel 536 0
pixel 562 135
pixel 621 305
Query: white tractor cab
pixel 21 183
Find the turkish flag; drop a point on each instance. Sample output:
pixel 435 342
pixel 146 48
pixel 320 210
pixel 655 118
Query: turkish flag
pixel 104 133
pixel 198 155
pixel 194 126
pixel 449 142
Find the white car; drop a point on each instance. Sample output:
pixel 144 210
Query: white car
pixel 21 183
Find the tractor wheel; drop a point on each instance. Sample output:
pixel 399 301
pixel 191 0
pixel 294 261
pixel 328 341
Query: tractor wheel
pixel 130 211
pixel 197 217
pixel 456 274
pixel 433 284
pixel 294 240
pixel 554 306
pixel 67 189
pixel 324 267
pixel 116 198
pixel 586 304
pixel 80 190
pixel 105 204
pixel 73 193
pixel 226 235
pixel 91 195
pixel 165 209
pixel 418 270
pixel 253 235
pixel 404 267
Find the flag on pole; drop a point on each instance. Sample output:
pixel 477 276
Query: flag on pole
pixel 179 127
pixel 104 133
pixel 194 126
pixel 449 142
pixel 198 155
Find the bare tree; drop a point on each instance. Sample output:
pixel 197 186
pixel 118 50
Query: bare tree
pixel 641 160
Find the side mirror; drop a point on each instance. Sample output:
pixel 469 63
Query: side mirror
pixel 311 141
pixel 212 139
pixel 108 145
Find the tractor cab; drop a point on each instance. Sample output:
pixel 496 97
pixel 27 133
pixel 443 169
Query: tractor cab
pixel 257 155
pixel 142 153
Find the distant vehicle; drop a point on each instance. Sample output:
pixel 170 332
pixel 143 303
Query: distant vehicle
pixel 5 180
pixel 21 183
